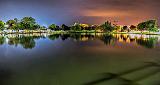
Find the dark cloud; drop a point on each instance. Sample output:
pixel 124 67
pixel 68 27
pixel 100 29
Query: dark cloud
pixel 68 11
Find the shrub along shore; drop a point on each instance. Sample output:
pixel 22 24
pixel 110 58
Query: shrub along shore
pixel 29 25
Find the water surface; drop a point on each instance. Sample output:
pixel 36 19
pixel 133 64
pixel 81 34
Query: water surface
pixel 79 59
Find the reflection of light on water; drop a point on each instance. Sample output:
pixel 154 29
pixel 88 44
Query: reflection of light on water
pixel 84 39
pixel 6 40
pixel 132 36
pixel 128 40
pixel 139 36
pixel 136 36
pixel 136 40
pixel 115 40
pixel 7 49
pixel 158 38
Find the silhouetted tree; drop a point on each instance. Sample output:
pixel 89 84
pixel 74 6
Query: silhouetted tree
pixel 65 27
pixel 125 28
pixel 107 26
pixel 133 27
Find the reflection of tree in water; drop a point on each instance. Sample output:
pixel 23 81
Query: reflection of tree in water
pixel 76 36
pixel 64 36
pixel 28 42
pixel 149 42
pixel 2 40
pixel 139 39
pixel 110 76
pixel 14 41
pixel 56 36
pixel 82 37
pixel 53 37
pixel 107 39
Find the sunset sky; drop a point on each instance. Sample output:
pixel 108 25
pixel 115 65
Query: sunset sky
pixel 125 12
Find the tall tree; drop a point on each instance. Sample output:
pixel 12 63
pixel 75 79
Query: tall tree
pixel 36 26
pixel 12 24
pixel 118 28
pixel 133 27
pixel 2 25
pixel 125 28
pixel 107 26
pixel 28 23
pixel 65 27
pixel 53 27
pixel 76 27
pixel 16 20
pixel 150 25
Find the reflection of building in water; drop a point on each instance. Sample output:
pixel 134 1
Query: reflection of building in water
pixel 134 37
pixel 149 41
pixel 115 40
pixel 84 39
pixel 83 36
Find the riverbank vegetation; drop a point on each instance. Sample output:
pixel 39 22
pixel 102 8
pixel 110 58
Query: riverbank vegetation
pixel 29 25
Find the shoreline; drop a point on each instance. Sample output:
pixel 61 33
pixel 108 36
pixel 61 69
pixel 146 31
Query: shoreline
pixel 84 31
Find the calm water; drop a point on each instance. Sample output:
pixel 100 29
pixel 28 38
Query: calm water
pixel 79 59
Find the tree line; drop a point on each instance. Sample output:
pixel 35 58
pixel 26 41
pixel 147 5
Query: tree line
pixel 29 23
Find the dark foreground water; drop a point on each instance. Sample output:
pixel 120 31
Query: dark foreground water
pixel 79 59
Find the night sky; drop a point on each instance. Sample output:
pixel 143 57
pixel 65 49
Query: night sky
pixel 125 12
